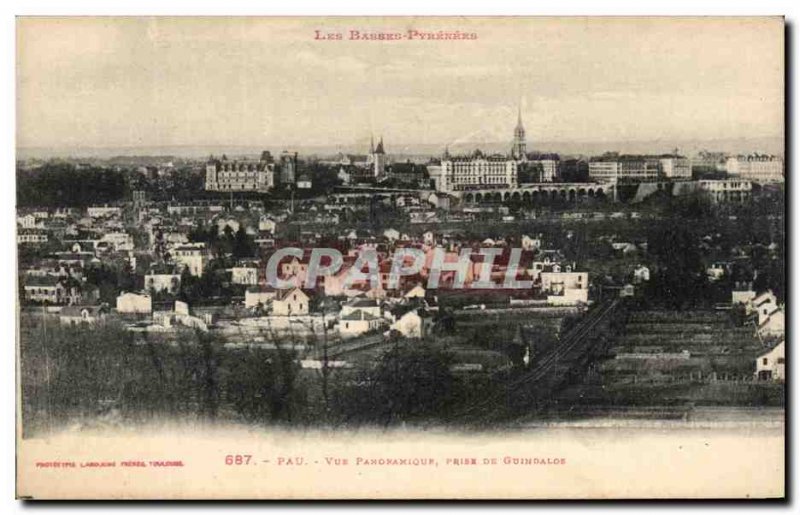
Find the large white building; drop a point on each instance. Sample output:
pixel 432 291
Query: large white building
pixel 481 171
pixel 604 171
pixel 191 256
pixel 676 167
pixel 625 168
pixel 240 175
pixel 631 168
pixel 476 171
pixel 726 190
pixel 756 167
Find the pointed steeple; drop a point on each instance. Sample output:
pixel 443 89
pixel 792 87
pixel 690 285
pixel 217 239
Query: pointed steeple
pixel 518 149
pixel 379 149
pixel 371 144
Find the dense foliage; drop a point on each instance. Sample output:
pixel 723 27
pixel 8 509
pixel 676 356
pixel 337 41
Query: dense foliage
pixel 106 375
pixel 64 185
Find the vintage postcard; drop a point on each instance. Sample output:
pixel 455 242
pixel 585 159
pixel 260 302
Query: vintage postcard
pixel 400 258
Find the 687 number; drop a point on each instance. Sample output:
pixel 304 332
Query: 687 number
pixel 238 459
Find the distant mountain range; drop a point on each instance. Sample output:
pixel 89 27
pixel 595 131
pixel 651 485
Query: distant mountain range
pixel 413 151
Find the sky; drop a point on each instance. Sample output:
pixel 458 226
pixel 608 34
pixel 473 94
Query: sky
pixel 106 82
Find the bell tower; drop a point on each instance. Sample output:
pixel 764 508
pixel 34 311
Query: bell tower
pixel 378 160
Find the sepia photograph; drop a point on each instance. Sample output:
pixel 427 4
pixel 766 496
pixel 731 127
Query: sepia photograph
pixel 461 257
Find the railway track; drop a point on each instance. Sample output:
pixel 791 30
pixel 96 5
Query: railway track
pixel 341 349
pixel 573 345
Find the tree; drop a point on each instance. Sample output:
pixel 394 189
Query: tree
pixel 190 288
pixel 412 381
pixel 530 173
pixel 260 384
pixel 243 245
pixel 680 277
pixel 62 184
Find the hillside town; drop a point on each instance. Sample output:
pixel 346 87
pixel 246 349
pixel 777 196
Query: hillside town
pixel 158 248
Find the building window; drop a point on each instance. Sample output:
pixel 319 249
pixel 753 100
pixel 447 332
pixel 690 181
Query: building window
pixel 765 361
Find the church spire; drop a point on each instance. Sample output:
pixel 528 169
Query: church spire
pixel 518 150
pixel 371 144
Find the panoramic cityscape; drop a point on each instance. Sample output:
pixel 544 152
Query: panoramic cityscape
pixel 243 221
pixel 400 257
pixel 541 286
